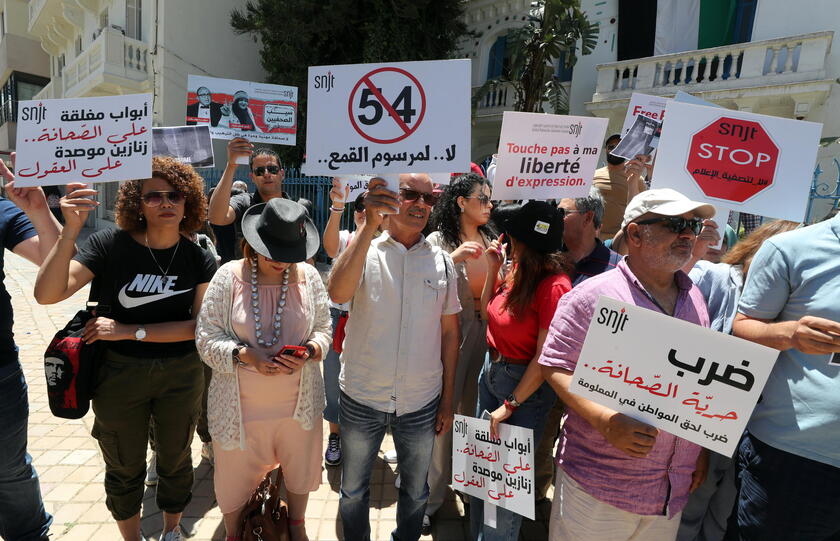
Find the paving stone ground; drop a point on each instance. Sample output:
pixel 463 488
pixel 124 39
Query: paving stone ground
pixel 71 469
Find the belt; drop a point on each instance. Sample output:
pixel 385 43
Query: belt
pixel 496 357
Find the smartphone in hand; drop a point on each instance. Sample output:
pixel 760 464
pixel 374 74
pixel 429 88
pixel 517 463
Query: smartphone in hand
pixel 294 351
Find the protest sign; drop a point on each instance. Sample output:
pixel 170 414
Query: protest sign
pixel 357 185
pixel 547 156
pixel 641 139
pixel 646 105
pixel 407 117
pixel 187 144
pixel 498 471
pixel 260 112
pixel 682 378
pixel 747 162
pixel 685 97
pixel 98 139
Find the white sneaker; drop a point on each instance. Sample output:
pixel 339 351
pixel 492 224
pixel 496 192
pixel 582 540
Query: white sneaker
pixel 174 535
pixel 390 456
pixel 151 472
pixel 207 452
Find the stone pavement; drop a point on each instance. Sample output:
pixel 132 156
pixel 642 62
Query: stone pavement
pixel 71 469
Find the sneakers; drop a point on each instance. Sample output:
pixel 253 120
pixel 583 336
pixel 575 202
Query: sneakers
pixel 151 472
pixel 174 535
pixel 207 452
pixel 332 457
pixel 426 529
pixel 390 456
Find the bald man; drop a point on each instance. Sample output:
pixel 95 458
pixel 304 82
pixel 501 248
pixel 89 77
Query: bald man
pixel 399 356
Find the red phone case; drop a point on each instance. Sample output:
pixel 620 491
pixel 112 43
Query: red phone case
pixel 297 351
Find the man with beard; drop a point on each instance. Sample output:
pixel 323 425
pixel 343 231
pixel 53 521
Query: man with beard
pixel 59 374
pixel 618 183
pixel 400 351
pixel 618 478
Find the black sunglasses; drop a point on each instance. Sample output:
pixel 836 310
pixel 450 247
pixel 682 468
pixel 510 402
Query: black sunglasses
pixel 676 224
pixel 260 171
pixel 483 200
pixel 413 195
pixel 154 199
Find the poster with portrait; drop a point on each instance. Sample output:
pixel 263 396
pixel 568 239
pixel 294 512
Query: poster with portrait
pixel 187 144
pixel 260 112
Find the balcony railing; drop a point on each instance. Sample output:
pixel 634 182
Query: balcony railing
pixel 111 54
pixel 777 61
pixel 497 100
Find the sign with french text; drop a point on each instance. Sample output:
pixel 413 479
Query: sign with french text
pixel 745 161
pixel 259 112
pixel 498 471
pixel 99 139
pixel 545 156
pixel 646 105
pixel 405 117
pixel 693 382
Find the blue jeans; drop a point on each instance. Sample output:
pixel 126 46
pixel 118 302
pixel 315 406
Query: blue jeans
pixel 495 383
pixel 362 430
pixel 22 514
pixel 332 368
pixel 785 496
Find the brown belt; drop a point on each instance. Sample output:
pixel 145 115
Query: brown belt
pixel 496 357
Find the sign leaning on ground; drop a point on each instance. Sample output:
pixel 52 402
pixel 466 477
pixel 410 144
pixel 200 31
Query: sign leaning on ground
pixel 742 161
pixel 547 156
pixel 407 117
pixel 693 382
pixel 99 139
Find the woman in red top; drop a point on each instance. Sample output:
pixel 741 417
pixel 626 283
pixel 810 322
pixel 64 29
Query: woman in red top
pixel 518 311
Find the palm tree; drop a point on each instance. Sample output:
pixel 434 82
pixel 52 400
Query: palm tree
pixel 552 31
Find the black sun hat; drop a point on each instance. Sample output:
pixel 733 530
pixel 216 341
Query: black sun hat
pixel 281 231
pixel 537 224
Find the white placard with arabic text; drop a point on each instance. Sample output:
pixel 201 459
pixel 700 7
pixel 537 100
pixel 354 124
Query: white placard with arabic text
pixel 404 117
pixel 501 471
pixel 693 382
pixel 99 139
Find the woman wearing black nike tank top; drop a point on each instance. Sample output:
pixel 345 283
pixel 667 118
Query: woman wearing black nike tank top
pixel 153 280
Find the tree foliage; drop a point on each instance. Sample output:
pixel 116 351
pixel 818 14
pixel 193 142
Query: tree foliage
pixel 296 34
pixel 552 31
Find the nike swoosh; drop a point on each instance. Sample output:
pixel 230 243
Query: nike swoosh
pixel 134 302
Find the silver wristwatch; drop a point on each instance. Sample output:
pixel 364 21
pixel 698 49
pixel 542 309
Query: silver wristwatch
pixel 140 333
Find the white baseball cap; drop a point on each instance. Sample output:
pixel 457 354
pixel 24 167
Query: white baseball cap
pixel 666 202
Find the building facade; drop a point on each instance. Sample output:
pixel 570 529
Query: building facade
pixel 112 47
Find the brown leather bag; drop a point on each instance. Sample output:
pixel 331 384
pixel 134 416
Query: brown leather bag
pixel 265 517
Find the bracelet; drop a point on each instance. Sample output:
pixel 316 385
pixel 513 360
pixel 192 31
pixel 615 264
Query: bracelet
pixel 510 406
pixel 334 209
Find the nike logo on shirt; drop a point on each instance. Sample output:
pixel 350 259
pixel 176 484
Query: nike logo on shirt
pixel 149 283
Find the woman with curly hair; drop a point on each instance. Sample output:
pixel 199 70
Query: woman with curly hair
pixel 152 279
pixel 460 223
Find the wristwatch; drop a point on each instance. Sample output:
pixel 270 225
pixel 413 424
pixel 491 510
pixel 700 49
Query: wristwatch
pixel 140 333
pixel 311 349
pixel 236 351
pixel 512 402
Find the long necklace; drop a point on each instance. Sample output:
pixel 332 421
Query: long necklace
pixel 255 306
pixel 164 272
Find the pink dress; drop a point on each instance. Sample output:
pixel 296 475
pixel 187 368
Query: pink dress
pixel 272 436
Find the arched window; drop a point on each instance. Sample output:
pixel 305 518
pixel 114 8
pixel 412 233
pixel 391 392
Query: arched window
pixel 498 60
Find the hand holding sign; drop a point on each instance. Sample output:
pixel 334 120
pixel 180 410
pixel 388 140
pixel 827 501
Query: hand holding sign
pixel 76 205
pixel 816 335
pixel 338 196
pixel 629 435
pixel 239 150
pixel 26 199
pixel 379 202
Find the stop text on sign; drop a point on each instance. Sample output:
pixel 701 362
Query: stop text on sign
pixel 732 159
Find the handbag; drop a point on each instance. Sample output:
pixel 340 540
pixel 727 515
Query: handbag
pixel 265 516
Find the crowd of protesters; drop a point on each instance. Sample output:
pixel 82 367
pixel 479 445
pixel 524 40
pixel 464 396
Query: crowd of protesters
pixel 440 300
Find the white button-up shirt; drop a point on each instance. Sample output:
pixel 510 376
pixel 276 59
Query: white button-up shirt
pixel 391 360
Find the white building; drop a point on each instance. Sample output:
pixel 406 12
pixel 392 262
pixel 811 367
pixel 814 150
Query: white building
pixel 24 67
pixel 108 47
pixel 766 56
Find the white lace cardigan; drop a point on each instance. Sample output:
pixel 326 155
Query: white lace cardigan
pixel 215 339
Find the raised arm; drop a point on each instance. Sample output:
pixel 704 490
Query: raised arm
pixel 338 200
pixel 221 213
pixel 491 280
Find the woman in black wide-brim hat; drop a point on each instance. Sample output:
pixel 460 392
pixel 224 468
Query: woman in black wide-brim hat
pixel 264 403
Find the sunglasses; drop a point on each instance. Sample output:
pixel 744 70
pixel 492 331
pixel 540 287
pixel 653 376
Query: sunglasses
pixel 260 171
pixel 483 200
pixel 154 199
pixel 676 224
pixel 360 207
pixel 413 195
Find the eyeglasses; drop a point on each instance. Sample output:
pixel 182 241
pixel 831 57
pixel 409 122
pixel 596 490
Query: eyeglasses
pixel 260 171
pixel 154 199
pixel 483 200
pixel 413 195
pixel 676 224
pixel 203 95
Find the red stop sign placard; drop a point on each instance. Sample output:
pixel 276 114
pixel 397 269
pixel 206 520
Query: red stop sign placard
pixel 732 159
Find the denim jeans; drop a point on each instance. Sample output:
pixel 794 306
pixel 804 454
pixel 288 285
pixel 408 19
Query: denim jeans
pixel 785 496
pixel 495 383
pixel 22 514
pixel 362 430
pixel 332 367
